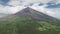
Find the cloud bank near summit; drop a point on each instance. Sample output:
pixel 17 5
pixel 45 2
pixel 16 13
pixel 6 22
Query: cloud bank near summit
pixel 14 4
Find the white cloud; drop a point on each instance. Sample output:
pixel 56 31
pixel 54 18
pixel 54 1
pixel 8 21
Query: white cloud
pixel 57 1
pixel 15 9
pixel 14 2
pixel 16 5
pixel 39 8
pixel 9 9
pixel 22 2
pixel 54 12
pixel 2 9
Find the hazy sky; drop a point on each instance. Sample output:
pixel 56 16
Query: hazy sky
pixel 9 6
pixel 12 6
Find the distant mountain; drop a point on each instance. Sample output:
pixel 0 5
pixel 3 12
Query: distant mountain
pixel 35 15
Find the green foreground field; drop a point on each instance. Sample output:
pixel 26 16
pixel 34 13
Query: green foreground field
pixel 27 25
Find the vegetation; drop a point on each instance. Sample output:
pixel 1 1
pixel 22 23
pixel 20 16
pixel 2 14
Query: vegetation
pixel 27 25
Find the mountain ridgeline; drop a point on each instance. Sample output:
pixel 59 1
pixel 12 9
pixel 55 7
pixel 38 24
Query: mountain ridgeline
pixel 34 14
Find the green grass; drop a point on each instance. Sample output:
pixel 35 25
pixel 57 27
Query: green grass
pixel 27 25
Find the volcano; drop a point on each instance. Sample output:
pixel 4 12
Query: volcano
pixel 35 15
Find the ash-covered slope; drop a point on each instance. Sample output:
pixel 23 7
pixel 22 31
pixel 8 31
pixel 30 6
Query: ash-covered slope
pixel 35 15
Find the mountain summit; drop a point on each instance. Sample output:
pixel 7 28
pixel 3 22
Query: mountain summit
pixel 30 12
pixel 35 14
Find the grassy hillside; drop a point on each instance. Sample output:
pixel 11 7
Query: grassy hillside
pixel 27 25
